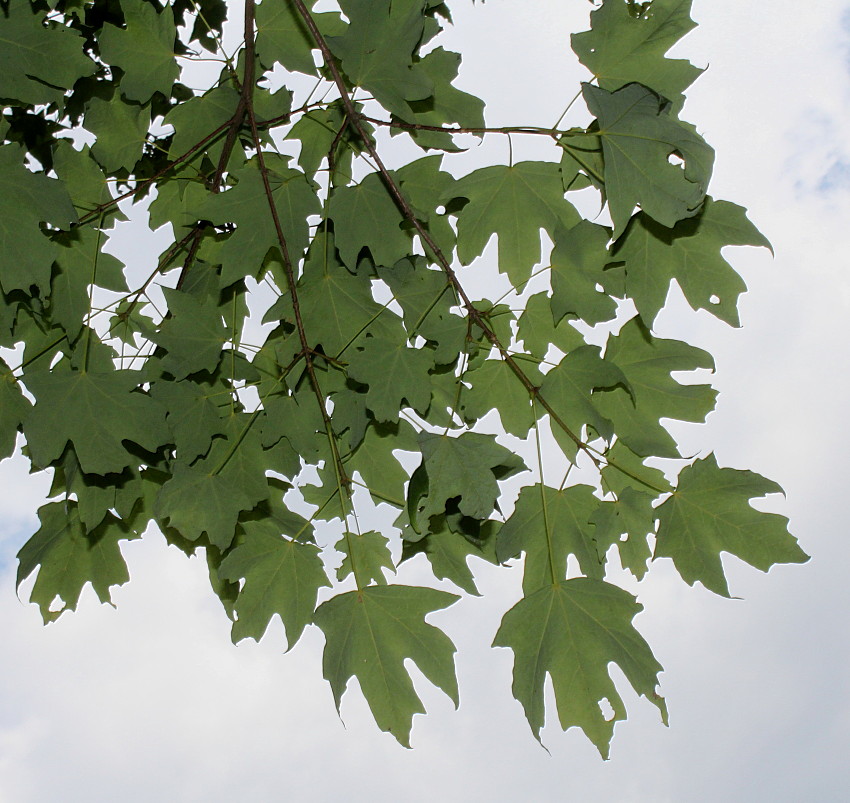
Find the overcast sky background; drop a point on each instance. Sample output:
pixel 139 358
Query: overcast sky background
pixel 151 701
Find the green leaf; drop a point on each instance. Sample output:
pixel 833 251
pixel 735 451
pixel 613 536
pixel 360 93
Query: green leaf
pixel 14 408
pixel 197 118
pixel 578 271
pixel 537 329
pixel 366 557
pixel 446 105
pixel 67 558
pixel 465 466
pixel 622 47
pixel 144 50
pixel 193 415
pixel 193 336
pixel 317 131
pixel 625 469
pixel 647 363
pixel 515 203
pixel 448 550
pixel 376 463
pixel 690 253
pixel 366 216
pixel 569 387
pixel 550 525
pixel 494 386
pixel 195 501
pixel 281 576
pixel 283 37
pixel 639 135
pixel 376 50
pixel 709 513
pixel 209 495
pixel 99 411
pixel 247 206
pixel 84 181
pixel 336 306
pixel 572 631
pixel 394 372
pixel 370 633
pixel 121 129
pixel 81 262
pixel 626 522
pixel 28 199
pixel 426 300
pixel 37 61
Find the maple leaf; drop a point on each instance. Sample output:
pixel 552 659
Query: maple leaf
pixel 572 630
pixel 495 387
pixel 449 544
pixel 690 253
pixel 639 134
pixel 647 363
pixel 446 105
pixel 515 203
pixel 192 337
pixel 100 410
pixel 247 206
pixel 282 576
pixel 394 372
pixel 578 269
pixel 366 215
pixel 427 300
pixel 465 466
pixel 622 47
pixel 630 514
pixel 377 465
pixel 709 513
pixel 208 495
pixel 569 387
pixel 365 556
pixel 336 306
pixel 549 525
pixel 81 262
pixel 376 50
pixel 14 408
pixel 370 633
pixel 144 50
pixel 121 130
pixel 28 199
pixel 192 415
pixel 537 330
pixel 68 557
pixel 197 118
pixel 282 36
pixel 38 61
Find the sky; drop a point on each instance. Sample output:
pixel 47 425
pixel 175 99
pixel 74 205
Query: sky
pixel 150 700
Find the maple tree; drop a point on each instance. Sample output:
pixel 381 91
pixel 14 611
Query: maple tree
pixel 309 335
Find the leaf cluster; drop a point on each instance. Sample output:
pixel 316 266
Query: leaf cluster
pixel 308 343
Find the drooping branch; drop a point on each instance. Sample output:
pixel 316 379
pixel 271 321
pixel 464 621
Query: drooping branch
pixel 356 122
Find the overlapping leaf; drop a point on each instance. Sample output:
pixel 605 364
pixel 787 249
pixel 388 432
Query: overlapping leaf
pixel 639 134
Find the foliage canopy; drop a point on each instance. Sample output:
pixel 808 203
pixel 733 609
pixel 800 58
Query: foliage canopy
pixel 310 338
